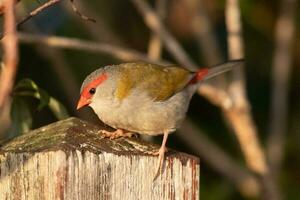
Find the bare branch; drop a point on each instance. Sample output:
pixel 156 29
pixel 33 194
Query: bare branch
pixel 282 64
pixel 155 43
pixel 99 32
pixel 244 181
pixel 72 43
pixel 155 24
pixel 203 32
pixel 10 45
pixel 82 16
pixel 245 129
pixel 49 4
pixel 239 114
pixel 37 11
pixel 216 96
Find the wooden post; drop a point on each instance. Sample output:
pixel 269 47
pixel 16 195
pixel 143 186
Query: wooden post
pixel 69 160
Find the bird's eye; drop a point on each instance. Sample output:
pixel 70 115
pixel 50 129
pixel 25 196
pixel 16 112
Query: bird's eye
pixel 92 91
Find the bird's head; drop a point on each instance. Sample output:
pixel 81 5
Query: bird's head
pixel 90 86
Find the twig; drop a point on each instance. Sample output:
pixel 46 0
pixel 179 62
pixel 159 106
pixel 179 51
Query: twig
pixel 100 32
pixel 48 5
pixel 239 114
pixel 207 42
pixel 245 129
pixel 10 45
pixel 203 32
pixel 247 184
pixel 154 23
pixel 82 16
pixel 282 64
pixel 37 11
pixel 155 43
pixel 72 43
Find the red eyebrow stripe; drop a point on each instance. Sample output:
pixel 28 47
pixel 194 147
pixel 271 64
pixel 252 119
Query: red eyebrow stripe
pixel 94 83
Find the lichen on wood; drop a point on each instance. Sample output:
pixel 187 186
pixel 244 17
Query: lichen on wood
pixel 71 160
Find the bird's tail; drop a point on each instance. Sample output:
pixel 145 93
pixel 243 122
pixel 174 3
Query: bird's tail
pixel 207 73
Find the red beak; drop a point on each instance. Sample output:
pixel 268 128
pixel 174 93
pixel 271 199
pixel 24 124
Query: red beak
pixel 83 102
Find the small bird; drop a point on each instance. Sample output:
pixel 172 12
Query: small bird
pixel 144 98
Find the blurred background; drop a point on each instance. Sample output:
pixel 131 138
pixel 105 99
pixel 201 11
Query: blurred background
pixel 60 71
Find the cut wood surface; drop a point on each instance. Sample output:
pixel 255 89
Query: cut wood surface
pixel 70 160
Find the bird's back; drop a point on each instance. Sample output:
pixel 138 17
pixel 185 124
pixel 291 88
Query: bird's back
pixel 159 82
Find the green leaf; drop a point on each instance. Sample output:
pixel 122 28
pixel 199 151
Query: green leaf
pixel 20 116
pixel 20 113
pixel 44 99
pixel 26 84
pixel 58 109
pixel 27 87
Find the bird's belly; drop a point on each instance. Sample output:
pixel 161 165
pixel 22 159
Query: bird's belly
pixel 142 115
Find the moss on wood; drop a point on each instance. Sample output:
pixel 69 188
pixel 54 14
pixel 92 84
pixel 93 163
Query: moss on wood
pixel 75 134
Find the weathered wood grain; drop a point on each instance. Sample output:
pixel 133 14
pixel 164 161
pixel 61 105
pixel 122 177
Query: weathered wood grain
pixel 69 160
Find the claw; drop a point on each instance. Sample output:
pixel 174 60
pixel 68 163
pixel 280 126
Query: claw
pixel 116 134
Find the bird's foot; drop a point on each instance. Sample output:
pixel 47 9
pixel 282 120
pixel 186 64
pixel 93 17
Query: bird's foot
pixel 161 155
pixel 116 134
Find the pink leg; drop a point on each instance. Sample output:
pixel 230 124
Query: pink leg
pixel 116 134
pixel 161 154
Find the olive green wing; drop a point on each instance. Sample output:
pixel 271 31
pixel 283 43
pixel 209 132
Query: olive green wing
pixel 159 82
